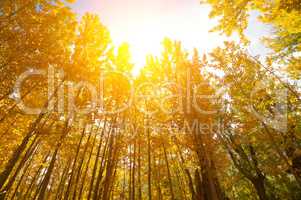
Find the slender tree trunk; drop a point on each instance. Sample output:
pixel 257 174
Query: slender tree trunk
pixel 109 168
pixel 260 188
pixel 122 195
pixel 149 175
pixel 104 161
pixel 200 195
pixel 130 172
pixel 67 193
pixel 22 176
pixel 190 183
pixel 139 168
pixel 19 150
pixel 168 172
pixel 157 177
pixel 60 189
pixel 134 171
pixel 48 175
pixel 96 161
pixel 27 155
pixel 111 193
pixel 87 168
pixel 180 182
pixel 81 165
pixel 39 185
pixel 28 191
pixel 210 183
pixel 13 161
pixel 45 182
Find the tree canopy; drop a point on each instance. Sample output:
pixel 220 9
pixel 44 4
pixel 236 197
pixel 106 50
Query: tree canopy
pixel 75 123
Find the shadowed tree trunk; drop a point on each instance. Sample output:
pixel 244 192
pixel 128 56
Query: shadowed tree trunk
pixel 149 175
pixel 168 173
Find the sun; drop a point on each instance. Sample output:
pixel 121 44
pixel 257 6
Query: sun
pixel 147 42
pixel 144 25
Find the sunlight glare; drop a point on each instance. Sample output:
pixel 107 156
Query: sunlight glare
pixel 144 25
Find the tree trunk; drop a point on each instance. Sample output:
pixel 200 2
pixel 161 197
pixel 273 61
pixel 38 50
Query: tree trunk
pixel 19 150
pixel 48 175
pixel 139 168
pixel 87 168
pixel 96 161
pixel 260 188
pixel 107 147
pixel 133 171
pixel 168 173
pixel 67 193
pixel 149 175
pixel 28 191
pixel 81 165
pixel 190 183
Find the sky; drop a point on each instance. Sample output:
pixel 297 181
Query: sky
pixel 144 24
